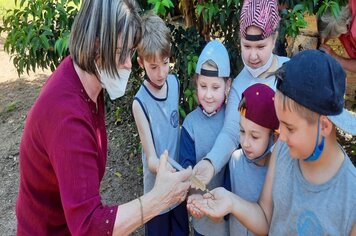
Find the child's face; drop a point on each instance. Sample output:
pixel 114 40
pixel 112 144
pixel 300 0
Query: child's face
pixel 211 92
pixel 253 138
pixel 256 53
pixel 299 135
pixel 157 70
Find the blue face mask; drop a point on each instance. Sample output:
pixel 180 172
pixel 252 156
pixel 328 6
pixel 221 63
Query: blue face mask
pixel 318 147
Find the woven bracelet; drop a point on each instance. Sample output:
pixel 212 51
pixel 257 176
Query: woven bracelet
pixel 141 208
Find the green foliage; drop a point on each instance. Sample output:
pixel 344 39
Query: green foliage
pixel 208 10
pixel 38 33
pixel 293 15
pixel 293 20
pixel 186 47
pixel 159 6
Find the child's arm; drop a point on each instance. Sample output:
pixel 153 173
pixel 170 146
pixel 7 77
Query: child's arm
pixel 353 230
pixel 226 142
pixel 144 131
pixel 254 216
pixel 187 154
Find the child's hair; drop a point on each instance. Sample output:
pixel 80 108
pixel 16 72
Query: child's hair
pixel 257 105
pixel 156 38
pixel 210 63
pixel 288 103
pixel 262 14
pixel 330 26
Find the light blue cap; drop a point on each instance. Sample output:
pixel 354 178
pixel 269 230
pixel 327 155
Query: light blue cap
pixel 216 52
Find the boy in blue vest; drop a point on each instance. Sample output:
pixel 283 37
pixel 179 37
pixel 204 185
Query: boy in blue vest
pixel 311 183
pixel 155 109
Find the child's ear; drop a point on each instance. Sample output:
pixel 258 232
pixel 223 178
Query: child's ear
pixel 275 135
pixel 140 62
pixel 227 87
pixel 326 126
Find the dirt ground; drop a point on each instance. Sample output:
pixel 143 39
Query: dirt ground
pixel 123 179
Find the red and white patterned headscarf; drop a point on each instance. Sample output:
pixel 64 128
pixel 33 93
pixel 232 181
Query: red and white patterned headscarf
pixel 262 14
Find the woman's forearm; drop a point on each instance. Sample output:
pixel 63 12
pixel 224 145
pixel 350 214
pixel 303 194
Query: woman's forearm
pixel 132 215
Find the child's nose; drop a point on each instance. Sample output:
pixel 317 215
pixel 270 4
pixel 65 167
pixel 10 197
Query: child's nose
pixel 209 93
pixel 161 73
pixel 253 55
pixel 245 142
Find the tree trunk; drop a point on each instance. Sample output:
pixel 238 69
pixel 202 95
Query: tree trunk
pixel 187 7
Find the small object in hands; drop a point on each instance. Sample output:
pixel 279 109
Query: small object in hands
pixel 197 182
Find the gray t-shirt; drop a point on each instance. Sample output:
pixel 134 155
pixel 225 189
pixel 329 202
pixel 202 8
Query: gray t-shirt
pixel 303 208
pixel 229 137
pixel 163 118
pixel 247 180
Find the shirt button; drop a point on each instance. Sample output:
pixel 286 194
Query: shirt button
pixel 108 233
pixel 107 221
pixel 111 211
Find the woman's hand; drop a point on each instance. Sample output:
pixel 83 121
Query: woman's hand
pixel 214 207
pixel 153 164
pixel 171 187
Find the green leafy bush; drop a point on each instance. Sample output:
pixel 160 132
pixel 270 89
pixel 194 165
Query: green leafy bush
pixel 38 33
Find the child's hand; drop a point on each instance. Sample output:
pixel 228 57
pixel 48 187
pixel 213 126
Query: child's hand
pixel 191 208
pixel 215 208
pixel 204 171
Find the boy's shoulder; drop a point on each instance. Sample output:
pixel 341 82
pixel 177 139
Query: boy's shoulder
pixel 346 171
pixel 351 169
pixel 236 157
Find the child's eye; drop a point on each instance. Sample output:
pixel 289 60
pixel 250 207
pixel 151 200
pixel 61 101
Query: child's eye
pixel 289 129
pixel 255 137
pixel 216 87
pixel 153 67
pixel 261 47
pixel 242 131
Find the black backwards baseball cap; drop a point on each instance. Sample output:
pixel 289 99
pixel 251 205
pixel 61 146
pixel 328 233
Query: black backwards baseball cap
pixel 317 81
